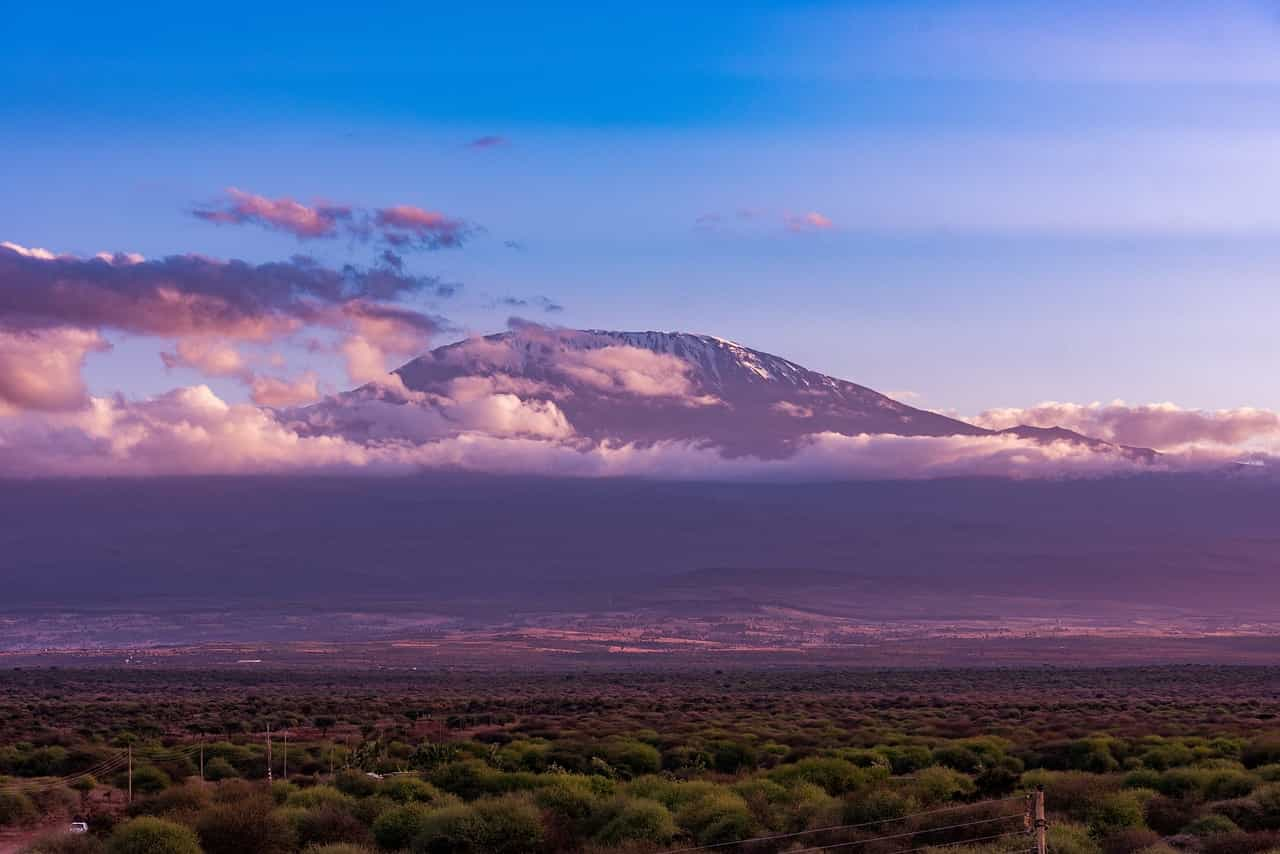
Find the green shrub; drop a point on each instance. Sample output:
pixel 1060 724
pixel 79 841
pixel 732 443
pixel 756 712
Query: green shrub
pixel 150 835
pixel 637 820
pixel 573 803
pixel 218 768
pixel 939 785
pixel 507 825
pixel 1116 812
pixel 717 817
pixel 1071 838
pixel 357 784
pixel 634 757
pixel 835 776
pixel 147 780
pixel 404 789
pixel 399 826
pixel 320 796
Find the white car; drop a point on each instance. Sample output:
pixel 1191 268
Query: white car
pixel 78 827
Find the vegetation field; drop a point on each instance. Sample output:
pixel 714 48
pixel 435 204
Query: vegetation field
pixel 1151 760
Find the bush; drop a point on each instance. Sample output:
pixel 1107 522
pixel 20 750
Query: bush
pixel 835 776
pixel 938 785
pixel 248 825
pixel 875 805
pixel 574 805
pixel 1129 841
pixel 635 757
pixel 65 843
pixel 1070 838
pixel 16 808
pixel 720 816
pixel 1245 812
pixel 404 789
pixel 149 835
pixel 509 825
pixel 638 820
pixel 318 796
pixel 1117 812
pixel 147 780
pixel 1211 825
pixel 732 757
pixel 355 783
pixel 1168 815
pixel 328 824
pixel 180 803
pixel 218 768
pixel 399 826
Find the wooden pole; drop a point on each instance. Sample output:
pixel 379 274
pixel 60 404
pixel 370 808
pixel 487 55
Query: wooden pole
pixel 202 761
pixel 1041 825
pixel 131 773
pixel 269 763
pixel 285 774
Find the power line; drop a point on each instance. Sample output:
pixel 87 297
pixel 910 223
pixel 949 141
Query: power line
pixel 836 845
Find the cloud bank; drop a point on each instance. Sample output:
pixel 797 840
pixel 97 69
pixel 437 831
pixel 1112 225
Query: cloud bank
pixel 193 431
pixel 1163 426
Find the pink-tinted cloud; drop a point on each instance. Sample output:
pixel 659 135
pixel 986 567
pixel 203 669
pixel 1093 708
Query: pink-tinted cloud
pixel 410 226
pixel 210 356
pixel 380 333
pixel 629 370
pixel 812 221
pixel 1163 426
pixel 400 226
pixel 41 369
pixel 284 214
pixel 191 430
pixel 279 392
pixel 794 410
pixel 482 142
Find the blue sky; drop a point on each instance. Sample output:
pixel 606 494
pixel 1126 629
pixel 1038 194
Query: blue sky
pixel 1028 201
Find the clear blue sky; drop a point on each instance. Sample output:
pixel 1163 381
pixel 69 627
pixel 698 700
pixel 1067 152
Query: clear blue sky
pixel 1027 201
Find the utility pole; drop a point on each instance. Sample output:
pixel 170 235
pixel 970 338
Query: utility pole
pixel 269 763
pixel 131 773
pixel 1041 824
pixel 202 762
pixel 285 774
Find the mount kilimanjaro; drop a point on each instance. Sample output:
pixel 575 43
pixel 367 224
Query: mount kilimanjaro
pixel 648 387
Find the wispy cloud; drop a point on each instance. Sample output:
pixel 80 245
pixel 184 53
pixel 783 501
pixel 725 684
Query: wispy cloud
pixel 400 226
pixel 284 214
pixel 482 142
pixel 812 221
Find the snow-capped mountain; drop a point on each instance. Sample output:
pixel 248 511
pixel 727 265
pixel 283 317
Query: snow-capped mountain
pixel 644 387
